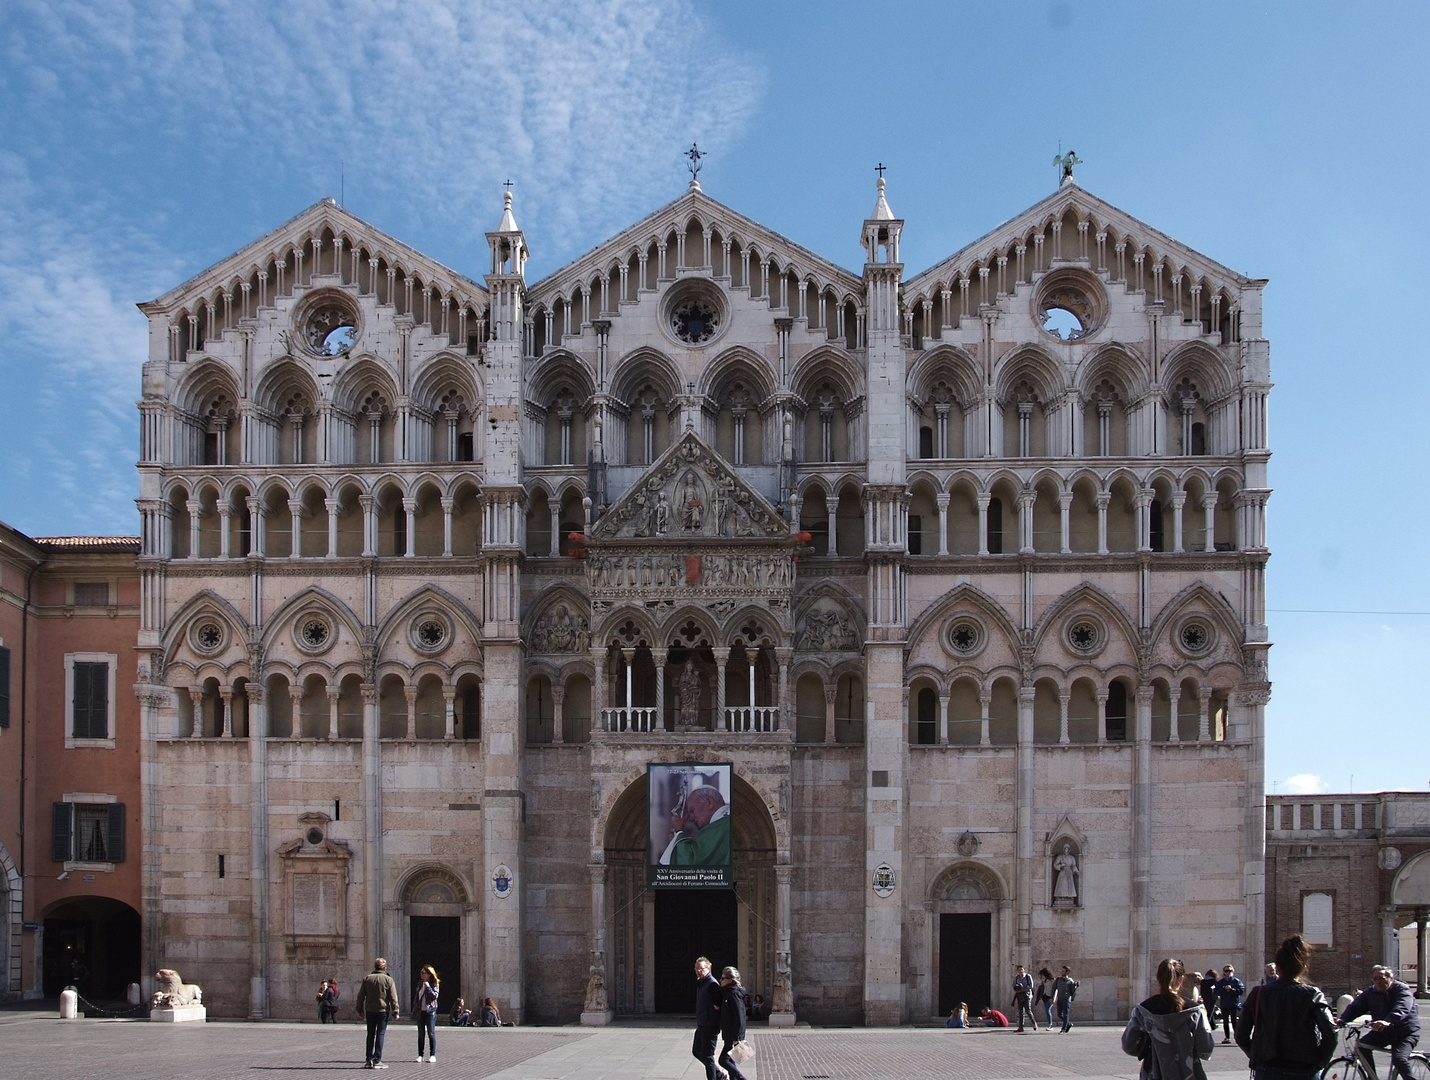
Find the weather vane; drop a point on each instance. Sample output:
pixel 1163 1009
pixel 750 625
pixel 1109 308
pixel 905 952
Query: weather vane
pixel 1066 163
pixel 694 155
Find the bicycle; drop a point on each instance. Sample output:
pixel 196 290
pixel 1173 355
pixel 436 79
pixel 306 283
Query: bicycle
pixel 1352 1066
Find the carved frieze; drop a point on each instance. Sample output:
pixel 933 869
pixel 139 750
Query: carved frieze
pixel 561 630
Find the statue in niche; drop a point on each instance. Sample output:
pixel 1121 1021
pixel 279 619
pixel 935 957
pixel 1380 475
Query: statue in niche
pixel 596 998
pixel 692 512
pixel 1065 878
pixel 721 505
pixel 784 992
pixel 688 689
pixel 662 515
pixel 641 515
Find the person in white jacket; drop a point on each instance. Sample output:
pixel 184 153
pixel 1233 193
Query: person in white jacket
pixel 1168 1033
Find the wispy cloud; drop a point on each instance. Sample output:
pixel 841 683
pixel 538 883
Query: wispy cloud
pixel 1302 784
pixel 150 138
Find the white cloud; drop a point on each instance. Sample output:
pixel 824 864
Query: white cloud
pixel 1302 784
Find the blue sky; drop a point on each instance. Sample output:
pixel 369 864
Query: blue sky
pixel 142 142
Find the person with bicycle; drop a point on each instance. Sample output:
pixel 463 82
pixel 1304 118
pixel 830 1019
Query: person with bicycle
pixel 1287 1029
pixel 1391 1005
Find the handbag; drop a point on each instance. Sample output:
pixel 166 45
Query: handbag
pixel 741 1052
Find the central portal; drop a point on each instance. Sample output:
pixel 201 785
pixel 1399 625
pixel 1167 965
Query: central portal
pixel 690 923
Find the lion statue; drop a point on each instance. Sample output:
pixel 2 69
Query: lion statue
pixel 173 992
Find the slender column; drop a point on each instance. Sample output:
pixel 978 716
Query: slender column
pixel 629 655
pixel 558 700
pixel 295 698
pixel 332 506
pixel 449 713
pixel 372 811
pixel 600 1017
pixel 985 706
pixel 295 512
pixel 555 530
pixel 1144 519
pixel 984 498
pixel 659 656
pixel 831 693
pixel 332 712
pixel 1422 950
pixel 1026 499
pixel 409 510
pixel 598 687
pixel 1204 713
pixel 1139 930
pixel 196 696
pixel 1209 521
pixel 410 693
pixel 721 656
pixel 225 512
pixel 784 656
pixel 782 1005
pixel 1178 501
pixel 369 525
pixel 1023 927
pixel 258 852
pixel 447 506
pixel 833 506
pixel 1103 499
pixel 943 719
pixel 1065 499
pixel 1101 716
pixel 942 501
pixel 227 696
pixel 196 513
pixel 1064 697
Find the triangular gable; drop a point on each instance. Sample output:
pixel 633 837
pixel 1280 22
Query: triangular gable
pixel 690 493
pixel 292 233
pixel 1054 206
pixel 675 215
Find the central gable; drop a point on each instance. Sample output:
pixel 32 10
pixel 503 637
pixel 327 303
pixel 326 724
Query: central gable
pixel 690 494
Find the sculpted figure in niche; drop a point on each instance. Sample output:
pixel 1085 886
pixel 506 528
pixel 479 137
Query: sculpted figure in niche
pixel 1065 878
pixel 662 515
pixel 691 510
pixel 828 630
pixel 640 515
pixel 596 998
pixel 688 687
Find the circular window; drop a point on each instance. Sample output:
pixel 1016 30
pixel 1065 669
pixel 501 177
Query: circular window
pixel 695 313
pixel 328 325
pixel 1085 635
pixel 1194 637
pixel 313 632
pixel 207 635
pixel 315 836
pixel 431 632
pixel 1068 307
pixel 965 636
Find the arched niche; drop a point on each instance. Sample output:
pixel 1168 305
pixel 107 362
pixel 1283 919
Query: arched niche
pixel 968 937
pixel 433 918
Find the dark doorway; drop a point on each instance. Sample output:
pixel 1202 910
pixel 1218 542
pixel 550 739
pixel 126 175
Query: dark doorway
pixel 438 941
pixel 965 954
pixel 92 944
pixel 690 923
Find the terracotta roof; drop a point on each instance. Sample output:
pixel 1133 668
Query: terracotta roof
pixel 88 543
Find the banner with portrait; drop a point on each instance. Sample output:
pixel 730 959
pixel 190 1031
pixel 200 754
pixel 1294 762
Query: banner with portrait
pixel 689 839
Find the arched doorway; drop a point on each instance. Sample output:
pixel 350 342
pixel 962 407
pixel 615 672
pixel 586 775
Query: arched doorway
pixel 654 935
pixel 970 920
pixel 92 944
pixel 440 929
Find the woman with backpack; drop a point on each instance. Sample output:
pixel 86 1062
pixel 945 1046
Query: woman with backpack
pixel 1170 1035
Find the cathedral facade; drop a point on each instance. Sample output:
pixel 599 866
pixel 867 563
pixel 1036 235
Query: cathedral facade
pixel 961 573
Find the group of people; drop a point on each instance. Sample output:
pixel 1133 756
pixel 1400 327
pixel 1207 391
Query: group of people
pixel 377 1004
pixel 1284 1025
pixel 1049 994
pixel 720 1013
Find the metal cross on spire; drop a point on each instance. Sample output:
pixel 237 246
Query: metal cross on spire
pixel 879 168
pixel 694 155
pixel 507 185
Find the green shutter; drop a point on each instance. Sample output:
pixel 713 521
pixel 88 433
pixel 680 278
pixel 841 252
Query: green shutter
pixel 114 832
pixel 4 686
pixel 64 827
pixel 99 701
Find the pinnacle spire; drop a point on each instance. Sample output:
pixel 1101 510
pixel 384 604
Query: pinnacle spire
pixel 508 219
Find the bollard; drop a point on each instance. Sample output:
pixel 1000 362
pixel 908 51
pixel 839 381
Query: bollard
pixel 133 994
pixel 69 1004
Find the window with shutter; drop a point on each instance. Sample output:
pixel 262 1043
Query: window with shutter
pixel 4 687
pixel 91 700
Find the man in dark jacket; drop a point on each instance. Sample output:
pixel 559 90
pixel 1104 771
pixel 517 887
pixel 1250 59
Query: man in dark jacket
pixel 1229 992
pixel 377 1003
pixel 1397 1020
pixel 707 1019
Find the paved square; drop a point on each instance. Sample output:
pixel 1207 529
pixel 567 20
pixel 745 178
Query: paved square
pixel 37 1044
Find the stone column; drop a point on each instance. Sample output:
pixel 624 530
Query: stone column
pixel 332 712
pixel 196 513
pixel 409 514
pixel 258 853
pixel 886 752
pixel 659 656
pixel 449 713
pixel 782 994
pixel 555 529
pixel 1103 499
pixel 448 505
pixel 1209 521
pixel 1179 500
pixel 369 525
pixel 410 693
pixel 295 514
pixel 332 506
pixel 257 527
pixel 832 506
pixel 225 515
pixel 985 706
pixel 1064 698
pixel 784 657
pixel 295 698
pixel 598 689
pixel 984 498
pixel 1065 500
pixel 1101 715
pixel 831 694
pixel 1026 499
pixel 372 861
pixel 597 1011
pixel 943 719
pixel 1022 934
pixel 226 695
pixel 1204 713
pixel 558 700
pixel 196 697
pixel 722 655
pixel 1139 913
pixel 942 501
pixel 1422 951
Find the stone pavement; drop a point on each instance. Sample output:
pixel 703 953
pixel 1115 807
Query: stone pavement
pixel 36 1044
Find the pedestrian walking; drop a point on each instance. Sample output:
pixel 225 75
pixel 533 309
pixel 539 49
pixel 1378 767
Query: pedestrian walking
pixel 1023 997
pixel 1287 1029
pixel 377 1003
pixel 1270 976
pixel 707 1019
pixel 1167 1033
pixel 1208 989
pixel 328 1002
pixel 732 1019
pixel 1064 991
pixel 1391 1006
pixel 1044 996
pixel 424 1010
pixel 1229 992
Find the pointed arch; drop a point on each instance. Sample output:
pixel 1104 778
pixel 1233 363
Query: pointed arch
pixel 1203 367
pixel 949 364
pixel 427 596
pixel 1093 596
pixel 645 365
pixel 558 368
pixel 963 596
pixel 361 378
pixel 316 596
pixel 1035 364
pixel 442 373
pixel 827 362
pixel 738 361
pixel 204 601
pixel 204 381
pixel 283 379
pixel 1119 364
pixel 1198 597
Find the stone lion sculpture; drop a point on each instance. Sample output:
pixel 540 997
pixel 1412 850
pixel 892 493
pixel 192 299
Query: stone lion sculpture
pixel 173 992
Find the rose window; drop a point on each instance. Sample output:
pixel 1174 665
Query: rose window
pixel 314 632
pixel 430 633
pixel 965 636
pixel 1084 635
pixel 1194 637
pixel 208 636
pixel 695 321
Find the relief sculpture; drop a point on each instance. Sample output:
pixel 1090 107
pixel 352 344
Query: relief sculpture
pixel 559 631
pixel 828 631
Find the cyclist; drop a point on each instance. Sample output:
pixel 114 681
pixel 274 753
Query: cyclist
pixel 1391 1004
pixel 1287 1029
